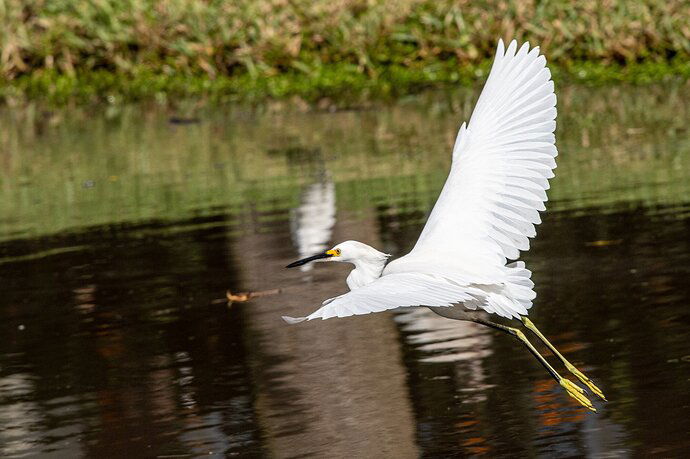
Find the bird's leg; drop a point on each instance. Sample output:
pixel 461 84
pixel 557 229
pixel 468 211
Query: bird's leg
pixel 571 368
pixel 573 389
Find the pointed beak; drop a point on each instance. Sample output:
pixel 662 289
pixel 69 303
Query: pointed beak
pixel 304 261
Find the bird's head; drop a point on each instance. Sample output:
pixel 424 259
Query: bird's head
pixel 349 252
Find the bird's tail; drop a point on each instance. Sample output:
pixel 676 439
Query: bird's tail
pixel 519 284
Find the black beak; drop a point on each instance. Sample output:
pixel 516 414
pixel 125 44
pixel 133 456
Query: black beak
pixel 304 261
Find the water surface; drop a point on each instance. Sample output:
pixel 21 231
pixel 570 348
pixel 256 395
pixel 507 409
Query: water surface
pixel 120 232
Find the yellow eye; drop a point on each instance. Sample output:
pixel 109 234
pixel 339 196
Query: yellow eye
pixel 337 252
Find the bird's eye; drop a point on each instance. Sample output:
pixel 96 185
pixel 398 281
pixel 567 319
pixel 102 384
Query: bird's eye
pixel 337 252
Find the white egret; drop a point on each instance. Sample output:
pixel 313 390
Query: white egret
pixel 486 212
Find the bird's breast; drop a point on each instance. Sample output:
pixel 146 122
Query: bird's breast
pixel 359 277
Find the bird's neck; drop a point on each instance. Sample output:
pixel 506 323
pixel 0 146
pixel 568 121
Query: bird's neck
pixel 365 272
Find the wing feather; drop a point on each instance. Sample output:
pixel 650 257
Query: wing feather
pixel 391 292
pixel 488 208
pixel 502 161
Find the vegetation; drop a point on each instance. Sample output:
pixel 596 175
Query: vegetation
pixel 60 49
pixel 619 147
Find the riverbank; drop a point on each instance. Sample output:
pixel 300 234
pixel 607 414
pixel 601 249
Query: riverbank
pixel 346 51
pixel 335 85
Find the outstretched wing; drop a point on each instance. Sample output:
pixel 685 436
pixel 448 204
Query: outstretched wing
pixel 391 292
pixel 488 207
pixel 501 166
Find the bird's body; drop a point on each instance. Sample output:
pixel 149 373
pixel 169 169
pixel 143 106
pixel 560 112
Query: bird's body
pixel 484 216
pixel 369 264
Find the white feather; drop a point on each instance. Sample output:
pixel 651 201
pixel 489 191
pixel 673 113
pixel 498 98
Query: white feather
pixel 488 207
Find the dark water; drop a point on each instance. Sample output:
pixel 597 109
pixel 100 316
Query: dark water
pixel 115 339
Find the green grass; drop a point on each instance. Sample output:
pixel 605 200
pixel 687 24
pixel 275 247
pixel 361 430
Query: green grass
pixel 339 84
pixel 62 50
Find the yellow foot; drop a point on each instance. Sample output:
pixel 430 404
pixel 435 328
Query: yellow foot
pixel 577 393
pixel 586 381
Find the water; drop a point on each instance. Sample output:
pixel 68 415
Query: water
pixel 120 232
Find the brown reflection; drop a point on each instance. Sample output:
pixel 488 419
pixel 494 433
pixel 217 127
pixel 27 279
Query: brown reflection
pixel 553 408
pixel 333 387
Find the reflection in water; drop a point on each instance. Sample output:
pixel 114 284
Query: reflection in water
pixel 312 222
pixel 17 417
pixel 431 333
pixel 154 365
pixel 323 388
pixel 113 341
pixel 125 164
pixel 121 357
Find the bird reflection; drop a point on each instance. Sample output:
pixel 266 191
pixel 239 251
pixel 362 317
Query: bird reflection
pixel 445 341
pixel 312 222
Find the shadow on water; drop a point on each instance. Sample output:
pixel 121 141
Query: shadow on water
pixel 121 232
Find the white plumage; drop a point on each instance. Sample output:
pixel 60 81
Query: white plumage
pixel 485 214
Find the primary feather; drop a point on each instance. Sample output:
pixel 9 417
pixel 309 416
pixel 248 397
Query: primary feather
pixel 488 208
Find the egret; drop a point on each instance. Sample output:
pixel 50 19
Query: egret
pixel 487 211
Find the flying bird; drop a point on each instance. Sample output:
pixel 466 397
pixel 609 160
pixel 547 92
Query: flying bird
pixel 486 213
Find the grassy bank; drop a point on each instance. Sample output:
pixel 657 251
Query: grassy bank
pixel 338 84
pixel 60 49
